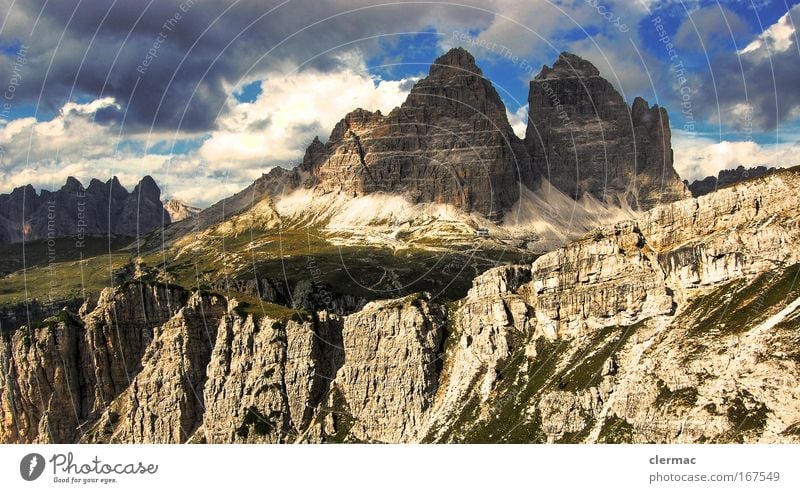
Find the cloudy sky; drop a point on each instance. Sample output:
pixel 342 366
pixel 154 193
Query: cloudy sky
pixel 206 96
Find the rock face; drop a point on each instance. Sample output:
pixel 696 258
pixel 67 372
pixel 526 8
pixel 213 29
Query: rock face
pixel 450 142
pixel 63 373
pixel 178 210
pixel 391 368
pixel 294 363
pixel 680 326
pixel 727 177
pixel 675 328
pixel 164 403
pixel 584 138
pixel 99 209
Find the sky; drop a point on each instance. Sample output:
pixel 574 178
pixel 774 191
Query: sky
pixel 206 96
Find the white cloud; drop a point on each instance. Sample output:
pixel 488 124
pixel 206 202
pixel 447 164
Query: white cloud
pixel 519 120
pixel 91 107
pixel 291 110
pixel 275 129
pixel 698 157
pixel 70 133
pixel 777 38
pixel 44 153
pixel 527 29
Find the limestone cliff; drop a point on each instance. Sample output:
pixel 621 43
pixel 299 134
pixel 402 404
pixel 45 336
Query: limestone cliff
pixel 680 326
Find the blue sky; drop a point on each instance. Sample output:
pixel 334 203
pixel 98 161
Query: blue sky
pixel 234 88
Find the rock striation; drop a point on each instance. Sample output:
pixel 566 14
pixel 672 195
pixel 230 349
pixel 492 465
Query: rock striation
pixel 63 373
pixel 75 210
pixel 584 139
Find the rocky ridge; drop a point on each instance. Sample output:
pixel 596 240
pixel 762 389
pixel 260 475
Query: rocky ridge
pixel 179 210
pixel 75 210
pixel 680 326
pixel 725 178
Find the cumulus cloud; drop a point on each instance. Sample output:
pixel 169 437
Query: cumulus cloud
pixel 698 157
pixel 44 153
pixel 170 63
pixel 754 89
pixel 70 133
pixel 291 110
pixel 274 129
pixel 777 38
pixel 519 120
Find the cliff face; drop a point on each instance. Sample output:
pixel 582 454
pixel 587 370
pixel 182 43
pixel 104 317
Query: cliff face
pixel 678 327
pixel 99 209
pixel 584 138
pixel 450 142
pixel 64 372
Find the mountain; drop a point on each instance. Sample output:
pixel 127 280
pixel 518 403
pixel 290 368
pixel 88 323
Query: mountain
pixel 75 210
pixel 727 177
pixel 449 142
pixel 584 138
pixel 447 163
pixel 679 326
pixel 358 297
pixel 178 210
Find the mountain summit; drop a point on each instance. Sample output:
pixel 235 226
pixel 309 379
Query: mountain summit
pixel 451 142
pixel 584 138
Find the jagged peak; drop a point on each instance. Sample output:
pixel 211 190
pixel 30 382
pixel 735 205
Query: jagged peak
pixel 457 61
pixel 94 183
pixel 72 184
pixel 568 65
pixel 147 186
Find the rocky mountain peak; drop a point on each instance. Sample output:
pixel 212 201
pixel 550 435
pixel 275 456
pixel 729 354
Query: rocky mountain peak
pixel 147 187
pixel 179 210
pixel 567 66
pixel 96 186
pixel 450 142
pixel 72 184
pixel 455 62
pixel 586 140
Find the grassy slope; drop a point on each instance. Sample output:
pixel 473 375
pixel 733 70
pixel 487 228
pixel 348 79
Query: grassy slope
pixel 293 255
pixel 66 277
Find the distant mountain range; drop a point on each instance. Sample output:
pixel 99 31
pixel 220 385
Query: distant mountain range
pixel 75 210
pixel 726 178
